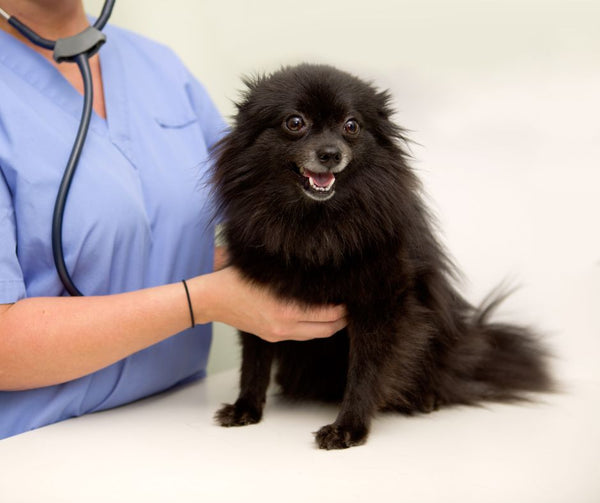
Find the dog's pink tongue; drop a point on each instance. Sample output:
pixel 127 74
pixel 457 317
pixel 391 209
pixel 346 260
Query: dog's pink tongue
pixel 320 179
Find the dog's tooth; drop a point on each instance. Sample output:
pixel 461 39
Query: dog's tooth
pixel 319 188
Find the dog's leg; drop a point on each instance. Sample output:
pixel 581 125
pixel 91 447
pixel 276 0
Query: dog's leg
pixel 257 356
pixel 370 348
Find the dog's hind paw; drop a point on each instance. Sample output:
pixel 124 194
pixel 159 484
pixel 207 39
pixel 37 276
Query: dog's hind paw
pixel 238 414
pixel 335 436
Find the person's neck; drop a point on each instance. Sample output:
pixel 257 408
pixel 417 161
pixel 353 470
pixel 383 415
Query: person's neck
pixel 51 19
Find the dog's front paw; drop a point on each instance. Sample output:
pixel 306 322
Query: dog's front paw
pixel 334 436
pixel 239 414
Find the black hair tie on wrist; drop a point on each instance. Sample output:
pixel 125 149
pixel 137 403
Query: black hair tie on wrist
pixel 187 294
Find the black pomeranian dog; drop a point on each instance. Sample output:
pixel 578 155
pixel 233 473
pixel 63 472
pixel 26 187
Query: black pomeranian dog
pixel 321 207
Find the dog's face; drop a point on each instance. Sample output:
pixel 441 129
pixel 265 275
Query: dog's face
pixel 312 169
pixel 319 152
pixel 311 134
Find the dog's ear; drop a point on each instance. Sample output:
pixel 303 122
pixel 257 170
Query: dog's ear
pixel 251 83
pixel 385 129
pixel 384 104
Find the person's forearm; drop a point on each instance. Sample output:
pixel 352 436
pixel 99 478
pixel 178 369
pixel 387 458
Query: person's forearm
pixel 49 340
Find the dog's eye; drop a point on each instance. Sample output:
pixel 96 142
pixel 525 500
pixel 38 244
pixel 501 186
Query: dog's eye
pixel 295 123
pixel 351 127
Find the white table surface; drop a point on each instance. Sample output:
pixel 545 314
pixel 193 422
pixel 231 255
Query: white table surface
pixel 168 449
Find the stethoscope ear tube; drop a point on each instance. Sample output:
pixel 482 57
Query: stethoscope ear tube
pixel 30 34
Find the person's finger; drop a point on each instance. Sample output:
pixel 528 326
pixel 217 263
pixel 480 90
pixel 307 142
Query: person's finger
pixel 324 314
pixel 315 330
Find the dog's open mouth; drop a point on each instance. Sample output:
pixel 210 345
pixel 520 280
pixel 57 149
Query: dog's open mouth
pixel 318 186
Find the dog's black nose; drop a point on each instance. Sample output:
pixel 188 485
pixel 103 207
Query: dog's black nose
pixel 329 156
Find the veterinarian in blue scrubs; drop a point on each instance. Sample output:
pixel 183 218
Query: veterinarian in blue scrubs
pixel 137 220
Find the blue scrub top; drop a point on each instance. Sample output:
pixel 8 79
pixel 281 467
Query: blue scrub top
pixel 138 212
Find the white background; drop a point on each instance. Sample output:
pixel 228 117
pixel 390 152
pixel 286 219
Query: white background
pixel 503 101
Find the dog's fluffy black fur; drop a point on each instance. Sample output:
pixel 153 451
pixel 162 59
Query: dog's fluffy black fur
pixel 321 207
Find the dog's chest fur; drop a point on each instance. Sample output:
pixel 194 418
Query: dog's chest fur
pixel 371 277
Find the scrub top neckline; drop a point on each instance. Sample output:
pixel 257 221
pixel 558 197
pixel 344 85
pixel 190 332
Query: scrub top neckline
pixel 39 73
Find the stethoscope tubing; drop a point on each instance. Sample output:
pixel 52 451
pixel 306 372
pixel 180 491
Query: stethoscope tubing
pixel 82 61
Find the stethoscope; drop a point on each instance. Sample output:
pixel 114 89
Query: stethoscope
pixel 76 49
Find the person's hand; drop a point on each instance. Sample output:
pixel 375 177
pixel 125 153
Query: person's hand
pixel 233 300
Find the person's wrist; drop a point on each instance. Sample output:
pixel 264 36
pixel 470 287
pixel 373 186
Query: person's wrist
pixel 204 294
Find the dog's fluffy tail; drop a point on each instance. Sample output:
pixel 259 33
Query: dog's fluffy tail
pixel 516 360
pixel 497 362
